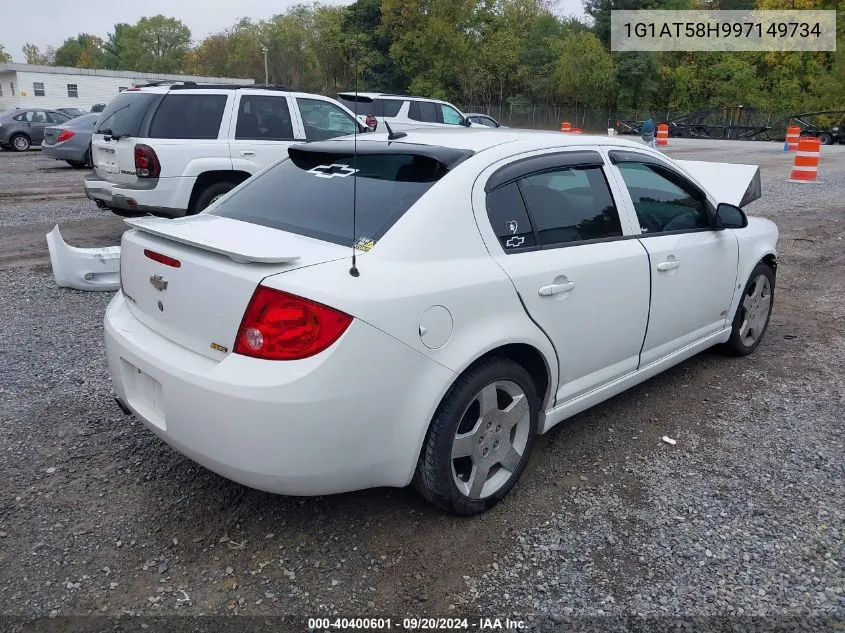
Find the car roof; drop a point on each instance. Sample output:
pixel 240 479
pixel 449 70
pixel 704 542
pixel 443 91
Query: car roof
pixel 478 139
pixel 388 95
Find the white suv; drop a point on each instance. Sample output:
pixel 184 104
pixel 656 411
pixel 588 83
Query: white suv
pixel 403 111
pixel 171 150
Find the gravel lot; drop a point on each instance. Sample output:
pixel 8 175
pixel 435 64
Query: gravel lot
pixel 744 517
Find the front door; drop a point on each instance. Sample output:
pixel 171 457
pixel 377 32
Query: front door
pixel 581 276
pixel 693 266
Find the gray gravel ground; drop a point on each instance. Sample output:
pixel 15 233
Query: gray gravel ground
pixel 742 517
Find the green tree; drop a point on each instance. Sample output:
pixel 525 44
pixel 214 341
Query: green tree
pixel 162 44
pixel 33 55
pixel 584 70
pixel 82 51
pixel 4 56
pixel 121 50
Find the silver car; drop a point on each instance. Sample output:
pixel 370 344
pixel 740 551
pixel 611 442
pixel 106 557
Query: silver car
pixel 71 142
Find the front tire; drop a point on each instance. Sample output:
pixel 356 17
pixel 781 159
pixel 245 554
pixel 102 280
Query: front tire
pixel 754 311
pixel 825 139
pixel 20 142
pixel 480 439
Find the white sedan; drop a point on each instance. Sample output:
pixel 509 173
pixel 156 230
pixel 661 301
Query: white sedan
pixel 504 282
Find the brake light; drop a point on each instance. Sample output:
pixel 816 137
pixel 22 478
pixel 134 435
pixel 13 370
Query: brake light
pixel 146 162
pixel 162 259
pixel 281 326
pixel 64 135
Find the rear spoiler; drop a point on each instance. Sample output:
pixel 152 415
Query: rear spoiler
pixel 738 185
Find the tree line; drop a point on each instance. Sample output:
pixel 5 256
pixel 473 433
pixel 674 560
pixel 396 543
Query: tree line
pixel 480 52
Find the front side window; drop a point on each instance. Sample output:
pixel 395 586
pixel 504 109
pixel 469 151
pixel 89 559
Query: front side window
pixel 72 90
pixel 38 89
pixel 324 120
pixel 36 116
pixel 182 116
pixel 264 118
pixel 450 115
pixel 663 200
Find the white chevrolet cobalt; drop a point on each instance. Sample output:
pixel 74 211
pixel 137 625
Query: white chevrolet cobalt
pixel 504 281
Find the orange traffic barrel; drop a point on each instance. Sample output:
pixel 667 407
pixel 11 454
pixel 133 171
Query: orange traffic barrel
pixel 793 134
pixel 566 126
pixel 806 165
pixel 662 134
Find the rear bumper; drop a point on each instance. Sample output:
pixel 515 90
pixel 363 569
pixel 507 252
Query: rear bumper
pixel 155 201
pixel 317 426
pixel 61 152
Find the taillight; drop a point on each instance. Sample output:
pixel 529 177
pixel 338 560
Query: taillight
pixel 162 259
pixel 65 135
pixel 372 122
pixel 146 162
pixel 282 326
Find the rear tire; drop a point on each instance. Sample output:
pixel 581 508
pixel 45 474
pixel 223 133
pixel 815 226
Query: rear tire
pixel 209 195
pixel 825 138
pixel 755 309
pixel 480 438
pixel 20 142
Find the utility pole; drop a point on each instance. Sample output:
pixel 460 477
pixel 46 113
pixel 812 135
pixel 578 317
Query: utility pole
pixel 266 74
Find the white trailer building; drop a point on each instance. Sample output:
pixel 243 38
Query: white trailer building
pixel 31 86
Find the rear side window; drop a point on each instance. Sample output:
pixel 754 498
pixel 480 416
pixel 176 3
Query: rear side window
pixel 123 114
pixel 509 218
pixel 311 194
pixel 389 107
pixel 264 118
pixel 423 111
pixel 186 116
pixel 570 204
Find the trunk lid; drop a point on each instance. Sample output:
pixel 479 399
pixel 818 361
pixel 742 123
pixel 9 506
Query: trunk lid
pixel 200 304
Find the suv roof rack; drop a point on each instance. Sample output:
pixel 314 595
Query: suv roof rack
pixel 192 85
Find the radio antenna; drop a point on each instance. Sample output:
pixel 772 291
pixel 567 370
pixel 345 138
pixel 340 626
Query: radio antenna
pixel 354 270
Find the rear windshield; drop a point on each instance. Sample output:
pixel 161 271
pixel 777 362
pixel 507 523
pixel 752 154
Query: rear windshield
pixel 124 114
pixel 311 194
pixel 188 116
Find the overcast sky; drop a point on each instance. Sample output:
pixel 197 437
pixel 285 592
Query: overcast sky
pixel 50 22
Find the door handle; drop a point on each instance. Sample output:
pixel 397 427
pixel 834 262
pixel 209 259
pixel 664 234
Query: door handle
pixel 555 289
pixel 247 152
pixel 669 265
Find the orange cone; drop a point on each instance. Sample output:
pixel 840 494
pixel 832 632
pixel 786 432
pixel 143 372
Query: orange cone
pixel 806 166
pixel 566 126
pixel 793 135
pixel 662 134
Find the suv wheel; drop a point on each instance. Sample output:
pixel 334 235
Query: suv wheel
pixel 211 193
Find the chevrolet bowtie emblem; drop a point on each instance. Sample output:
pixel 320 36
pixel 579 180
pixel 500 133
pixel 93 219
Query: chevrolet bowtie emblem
pixel 332 171
pixel 515 242
pixel 158 282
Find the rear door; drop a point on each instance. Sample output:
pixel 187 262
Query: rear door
pixel 261 129
pixel 37 122
pixel 552 224
pixel 693 266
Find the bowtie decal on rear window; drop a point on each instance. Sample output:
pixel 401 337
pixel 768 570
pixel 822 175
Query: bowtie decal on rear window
pixel 515 241
pixel 330 171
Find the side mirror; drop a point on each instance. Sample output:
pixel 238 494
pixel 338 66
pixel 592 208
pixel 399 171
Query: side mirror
pixel 729 216
pixel 467 123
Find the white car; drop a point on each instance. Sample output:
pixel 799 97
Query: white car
pixel 172 149
pixel 476 118
pixel 403 112
pixel 504 281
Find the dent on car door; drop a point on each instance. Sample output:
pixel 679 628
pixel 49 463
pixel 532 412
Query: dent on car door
pixel 693 266
pixel 560 240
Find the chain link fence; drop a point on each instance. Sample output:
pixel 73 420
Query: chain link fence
pixel 734 123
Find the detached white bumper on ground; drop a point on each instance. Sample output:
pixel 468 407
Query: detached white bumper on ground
pixel 305 427
pixel 83 268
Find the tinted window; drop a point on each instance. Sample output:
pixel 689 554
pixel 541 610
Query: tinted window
pixel 58 117
pixel 389 107
pixel 450 115
pixel 123 114
pixel 509 219
pixel 188 116
pixel 663 200
pixel 570 204
pixel 311 194
pixel 483 120
pixel 324 120
pixel 423 111
pixel 362 105
pixel 20 117
pixel 264 118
